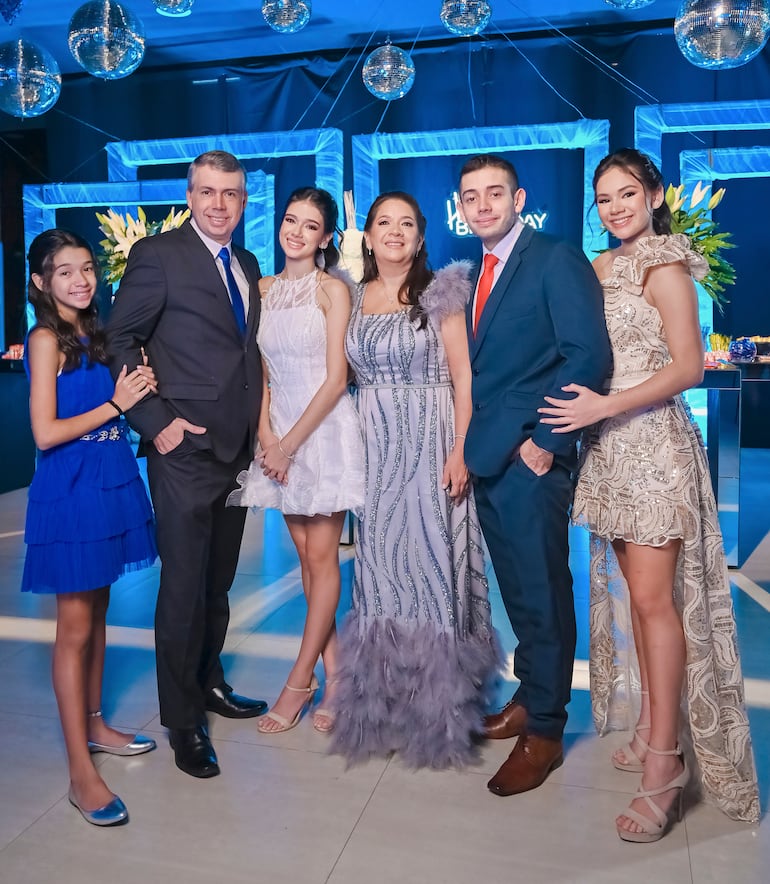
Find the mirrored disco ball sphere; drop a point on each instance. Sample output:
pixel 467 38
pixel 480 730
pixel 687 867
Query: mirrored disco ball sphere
pixel 629 4
pixel 30 79
pixel 173 8
pixel 286 16
pixel 106 39
pixel 722 34
pixel 465 17
pixel 388 72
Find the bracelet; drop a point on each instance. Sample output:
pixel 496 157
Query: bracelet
pixel 287 456
pixel 459 435
pixel 115 405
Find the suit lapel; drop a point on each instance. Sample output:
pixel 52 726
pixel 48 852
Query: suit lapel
pixel 217 285
pixel 252 320
pixel 500 290
pixel 208 266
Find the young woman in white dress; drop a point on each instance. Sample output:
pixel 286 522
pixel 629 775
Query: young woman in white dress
pixel 309 461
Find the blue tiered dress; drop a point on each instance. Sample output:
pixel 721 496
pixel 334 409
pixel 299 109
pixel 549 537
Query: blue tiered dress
pixel 88 516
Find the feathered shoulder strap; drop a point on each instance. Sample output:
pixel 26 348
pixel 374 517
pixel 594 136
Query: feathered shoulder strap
pixel 342 274
pixel 448 292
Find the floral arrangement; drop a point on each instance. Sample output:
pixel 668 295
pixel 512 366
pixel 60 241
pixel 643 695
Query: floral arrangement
pixel 690 217
pixel 122 232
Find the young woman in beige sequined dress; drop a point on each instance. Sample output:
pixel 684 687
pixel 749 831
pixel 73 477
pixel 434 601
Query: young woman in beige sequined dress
pixel 644 492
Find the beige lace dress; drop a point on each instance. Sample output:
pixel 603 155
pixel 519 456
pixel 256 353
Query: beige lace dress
pixel 644 478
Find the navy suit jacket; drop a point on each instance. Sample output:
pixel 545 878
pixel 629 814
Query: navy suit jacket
pixel 172 301
pixel 541 329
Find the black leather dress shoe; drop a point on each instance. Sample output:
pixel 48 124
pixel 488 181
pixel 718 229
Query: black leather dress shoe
pixel 224 702
pixel 193 751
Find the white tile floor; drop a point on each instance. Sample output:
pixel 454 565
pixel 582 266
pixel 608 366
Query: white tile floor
pixel 284 811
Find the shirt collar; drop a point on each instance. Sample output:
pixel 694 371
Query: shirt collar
pixel 502 251
pixel 211 244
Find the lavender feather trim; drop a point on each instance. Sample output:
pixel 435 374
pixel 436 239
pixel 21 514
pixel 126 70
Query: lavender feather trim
pixel 408 689
pixel 449 291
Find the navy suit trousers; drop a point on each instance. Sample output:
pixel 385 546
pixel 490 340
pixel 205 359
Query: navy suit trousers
pixel 525 522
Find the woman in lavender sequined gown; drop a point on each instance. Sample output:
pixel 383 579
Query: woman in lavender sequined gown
pixel 417 652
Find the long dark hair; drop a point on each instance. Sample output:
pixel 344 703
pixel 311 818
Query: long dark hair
pixel 641 167
pixel 325 203
pixel 419 276
pixel 42 254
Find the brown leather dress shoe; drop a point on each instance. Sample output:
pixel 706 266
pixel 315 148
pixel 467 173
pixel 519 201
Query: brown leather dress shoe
pixel 527 767
pixel 510 721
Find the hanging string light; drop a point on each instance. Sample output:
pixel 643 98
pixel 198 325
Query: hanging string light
pixel 174 8
pixel 106 39
pixel 30 79
pixel 465 17
pixel 388 72
pixel 722 34
pixel 286 16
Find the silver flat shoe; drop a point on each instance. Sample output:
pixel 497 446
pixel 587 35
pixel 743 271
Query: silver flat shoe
pixel 110 815
pixel 138 746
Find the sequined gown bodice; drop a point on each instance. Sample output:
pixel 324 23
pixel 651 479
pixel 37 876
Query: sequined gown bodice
pixel 644 479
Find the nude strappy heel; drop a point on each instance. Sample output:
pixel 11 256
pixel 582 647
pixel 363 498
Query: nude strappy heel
pixel 633 763
pixel 285 724
pixel 324 712
pixel 655 829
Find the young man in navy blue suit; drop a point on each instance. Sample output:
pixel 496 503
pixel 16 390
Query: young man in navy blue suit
pixel 190 298
pixel 535 324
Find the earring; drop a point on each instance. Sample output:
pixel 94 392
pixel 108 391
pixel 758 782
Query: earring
pixel 369 252
pixel 417 253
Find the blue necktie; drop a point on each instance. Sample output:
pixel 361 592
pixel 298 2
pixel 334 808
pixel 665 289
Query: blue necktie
pixel 235 292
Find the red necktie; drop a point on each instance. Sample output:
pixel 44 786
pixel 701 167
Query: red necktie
pixel 485 287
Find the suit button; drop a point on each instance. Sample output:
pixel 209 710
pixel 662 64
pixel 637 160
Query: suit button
pixel 477 406
pixel 475 372
pixel 245 386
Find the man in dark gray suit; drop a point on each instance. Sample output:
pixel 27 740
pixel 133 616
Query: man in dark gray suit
pixel 191 299
pixel 535 324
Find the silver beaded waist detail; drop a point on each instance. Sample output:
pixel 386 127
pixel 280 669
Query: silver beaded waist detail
pixel 108 434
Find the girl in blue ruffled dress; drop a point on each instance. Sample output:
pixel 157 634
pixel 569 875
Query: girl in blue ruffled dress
pixel 88 516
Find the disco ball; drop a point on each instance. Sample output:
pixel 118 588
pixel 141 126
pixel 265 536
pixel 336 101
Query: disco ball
pixel 30 80
pixel 174 8
pixel 629 4
pixel 722 34
pixel 286 16
pixel 388 72
pixel 106 39
pixel 465 17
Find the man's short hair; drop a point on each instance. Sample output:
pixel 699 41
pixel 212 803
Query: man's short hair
pixel 217 159
pixel 490 161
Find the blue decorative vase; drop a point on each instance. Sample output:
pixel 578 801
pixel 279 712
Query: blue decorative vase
pixel 742 350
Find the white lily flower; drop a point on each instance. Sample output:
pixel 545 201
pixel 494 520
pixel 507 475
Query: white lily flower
pixel 716 199
pixel 699 192
pixel 122 232
pixel 674 197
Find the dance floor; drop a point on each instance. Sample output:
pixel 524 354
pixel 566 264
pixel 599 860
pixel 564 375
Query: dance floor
pixel 285 811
